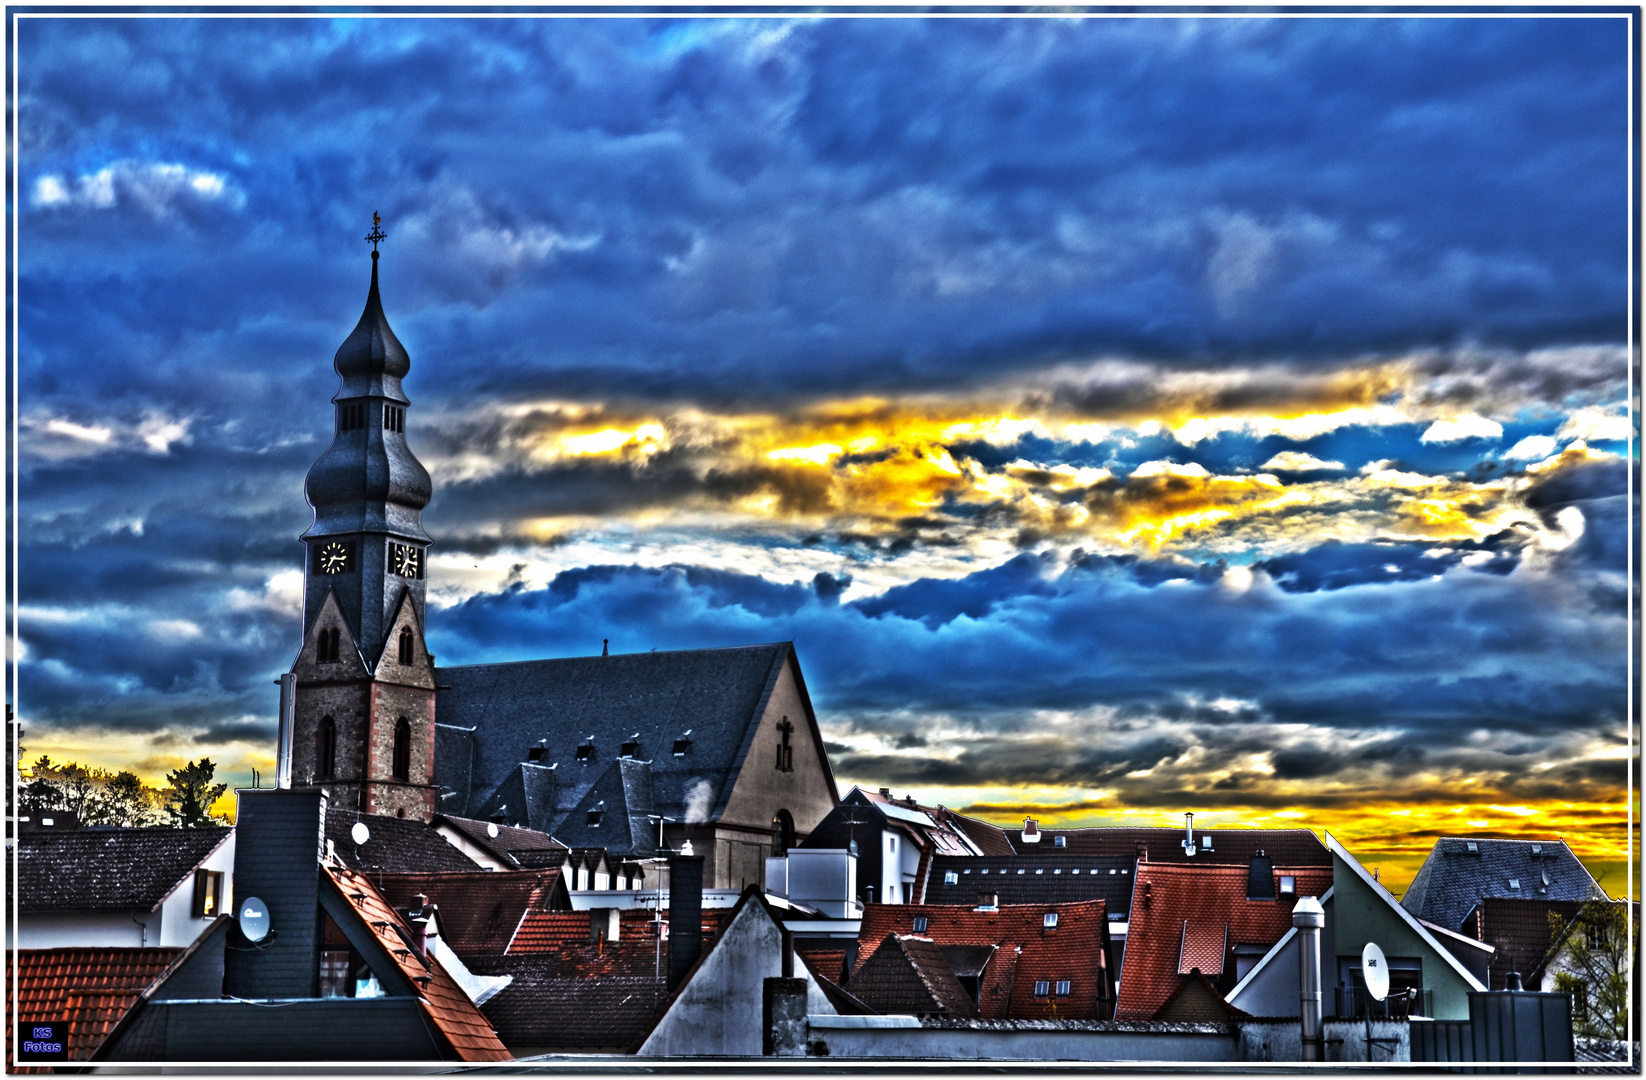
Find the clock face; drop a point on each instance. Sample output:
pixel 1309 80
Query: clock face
pixel 405 560
pixel 334 558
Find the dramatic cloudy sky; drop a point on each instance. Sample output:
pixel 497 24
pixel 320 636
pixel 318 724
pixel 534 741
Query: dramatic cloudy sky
pixel 1123 416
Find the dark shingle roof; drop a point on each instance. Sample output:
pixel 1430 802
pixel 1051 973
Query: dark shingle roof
pixel 544 1010
pixel 397 845
pixel 1452 880
pixel 601 701
pixel 478 911
pixel 1285 847
pixel 108 869
pixel 524 847
pixel 1032 879
pixel 908 974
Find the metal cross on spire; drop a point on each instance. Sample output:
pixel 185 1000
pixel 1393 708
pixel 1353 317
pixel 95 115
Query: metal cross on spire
pixel 376 235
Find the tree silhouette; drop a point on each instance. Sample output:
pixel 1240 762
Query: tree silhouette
pixel 189 798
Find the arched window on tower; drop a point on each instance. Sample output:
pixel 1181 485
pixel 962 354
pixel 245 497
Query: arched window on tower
pixel 325 749
pixel 782 834
pixel 402 748
pixel 407 651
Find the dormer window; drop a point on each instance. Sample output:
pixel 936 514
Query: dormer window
pixel 920 922
pixel 1049 921
pixel 585 752
pixel 536 753
pixel 950 877
pixel 596 814
pixel 631 747
pixel 682 745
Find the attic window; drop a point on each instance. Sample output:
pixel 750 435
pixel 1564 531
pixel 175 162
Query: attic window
pixel 1062 988
pixel 1514 883
pixel 920 924
pixel 536 753
pixel 1043 988
pixel 1057 870
pixel 594 818
pixel 1060 841
pixel 1472 848
pixel 585 752
pixel 1288 883
pixel 630 748
pixel 1537 849
pixel 1050 920
pixel 1040 870
pixel 1020 870
pixel 682 745
pixel 950 877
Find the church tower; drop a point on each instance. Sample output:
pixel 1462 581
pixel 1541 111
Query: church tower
pixel 359 718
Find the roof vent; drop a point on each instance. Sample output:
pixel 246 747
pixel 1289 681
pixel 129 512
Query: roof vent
pixel 1537 849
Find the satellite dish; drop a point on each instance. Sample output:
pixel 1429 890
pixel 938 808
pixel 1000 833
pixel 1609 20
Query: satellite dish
pixel 360 833
pixel 491 829
pixel 1376 970
pixel 254 919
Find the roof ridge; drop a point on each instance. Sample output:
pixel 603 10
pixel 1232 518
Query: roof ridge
pixel 613 656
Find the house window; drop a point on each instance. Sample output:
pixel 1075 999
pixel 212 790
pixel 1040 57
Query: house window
pixel 208 893
pixel 1288 883
pixel 1050 921
pixel 1062 988
pixel 920 924
pixel 407 649
pixel 785 752
pixel 334 973
pixel 1042 988
pixel 950 877
pixel 402 750
pixel 1060 841
pixel 325 749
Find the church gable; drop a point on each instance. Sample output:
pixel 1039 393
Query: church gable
pixel 783 767
pixel 405 658
pixel 329 652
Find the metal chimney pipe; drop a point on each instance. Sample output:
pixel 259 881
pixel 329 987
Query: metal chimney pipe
pixel 1310 919
pixel 1188 834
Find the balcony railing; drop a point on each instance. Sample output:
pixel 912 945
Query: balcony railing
pixel 1353 1002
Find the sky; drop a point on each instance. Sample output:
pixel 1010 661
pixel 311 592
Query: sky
pixel 1123 416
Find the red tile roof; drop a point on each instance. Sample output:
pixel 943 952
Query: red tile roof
pixel 479 911
pixel 1026 951
pixel 1182 908
pixel 88 989
pixel 448 1008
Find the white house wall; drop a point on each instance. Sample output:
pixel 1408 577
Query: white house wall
pixel 83 929
pixel 174 925
pixel 721 1010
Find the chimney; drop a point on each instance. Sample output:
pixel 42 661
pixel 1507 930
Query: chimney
pixel 1514 982
pixel 279 841
pixel 418 920
pixel 1188 835
pixel 1142 851
pixel 1309 918
pixel 685 915
pixel 885 793
pixel 1260 878
pixel 1031 831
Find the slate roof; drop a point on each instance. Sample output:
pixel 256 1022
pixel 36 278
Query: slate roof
pixel 443 1002
pixel 1178 908
pixel 89 989
pixel 1452 880
pixel 1285 847
pixel 1519 930
pixel 990 838
pixel 397 845
pixel 492 715
pixel 479 910
pixel 909 974
pixel 1042 878
pixel 1025 951
pixel 522 847
pixel 614 813
pixel 108 869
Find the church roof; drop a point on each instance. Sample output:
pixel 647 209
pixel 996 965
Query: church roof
pixel 690 713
